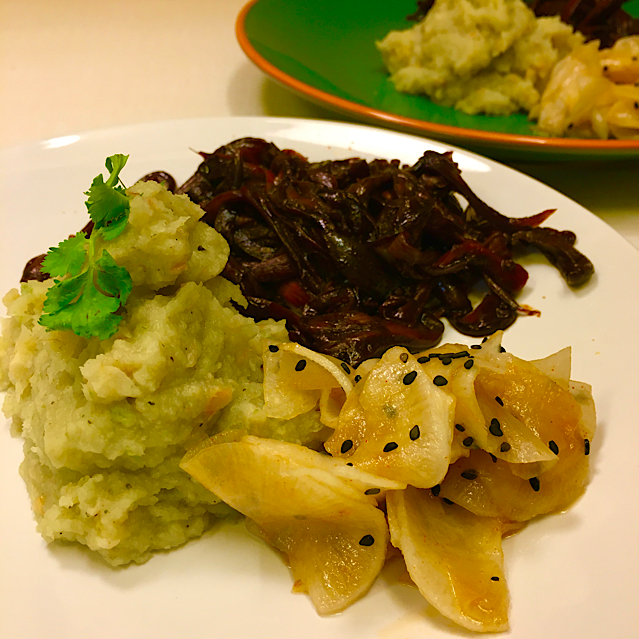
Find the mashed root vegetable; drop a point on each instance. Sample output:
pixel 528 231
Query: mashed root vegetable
pixel 105 423
pixel 479 56
pixel 496 57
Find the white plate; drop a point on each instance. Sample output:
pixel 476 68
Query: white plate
pixel 573 575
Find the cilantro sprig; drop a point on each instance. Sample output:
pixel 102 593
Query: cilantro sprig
pixel 89 287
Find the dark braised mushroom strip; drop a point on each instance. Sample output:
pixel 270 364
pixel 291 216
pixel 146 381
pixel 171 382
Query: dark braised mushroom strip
pixel 161 177
pixel 360 256
pixel 603 20
pixel 33 270
pixel 559 249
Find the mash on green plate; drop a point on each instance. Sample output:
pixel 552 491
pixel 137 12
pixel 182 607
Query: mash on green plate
pixel 479 56
pixel 106 423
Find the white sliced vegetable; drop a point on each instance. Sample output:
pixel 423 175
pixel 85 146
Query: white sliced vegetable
pixel 453 556
pixel 582 393
pixel 332 532
pixel 295 378
pixel 556 366
pixel 397 423
pixel 507 438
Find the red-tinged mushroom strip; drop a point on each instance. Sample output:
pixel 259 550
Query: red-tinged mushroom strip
pixel 360 256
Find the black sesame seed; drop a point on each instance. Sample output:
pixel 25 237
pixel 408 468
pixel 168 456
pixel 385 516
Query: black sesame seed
pixel 346 368
pixel 499 400
pixel 469 474
pixel 409 378
pixel 553 446
pixel 347 444
pixel 357 378
pixel 484 340
pixel 446 360
pixel 301 365
pixel 605 68
pixel 460 354
pixel 502 349
pixel 389 447
pixel 493 458
pixel 636 105
pixel 273 348
pixel 468 441
pixel 414 433
pixel 447 501
pixel 435 490
pixel 494 578
pixel 587 446
pixel 424 359
pixel 476 347
pixel 404 357
pixel 460 428
pixel 468 364
pixel 367 540
pixel 495 428
pixel 534 483
pixel 439 380
pixel 349 464
pixel 372 491
pixel 505 447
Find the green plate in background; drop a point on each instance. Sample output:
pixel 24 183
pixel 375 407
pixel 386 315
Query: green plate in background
pixel 325 50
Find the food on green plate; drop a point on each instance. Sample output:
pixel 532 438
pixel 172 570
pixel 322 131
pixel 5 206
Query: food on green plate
pixel 462 444
pixel 497 57
pixel 479 56
pixel 150 406
pixel 594 92
pixel 106 422
pixel 603 20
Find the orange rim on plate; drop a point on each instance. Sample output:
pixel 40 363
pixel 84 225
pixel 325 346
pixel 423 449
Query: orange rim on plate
pixel 440 131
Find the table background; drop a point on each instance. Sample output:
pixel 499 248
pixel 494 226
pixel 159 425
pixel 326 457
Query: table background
pixel 67 66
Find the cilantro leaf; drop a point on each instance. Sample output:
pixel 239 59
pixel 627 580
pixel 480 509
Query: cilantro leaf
pixel 107 202
pixel 111 279
pixel 82 308
pixel 115 227
pixel 67 257
pixel 63 294
pixel 92 287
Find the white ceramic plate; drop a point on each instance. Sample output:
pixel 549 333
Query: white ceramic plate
pixel 571 576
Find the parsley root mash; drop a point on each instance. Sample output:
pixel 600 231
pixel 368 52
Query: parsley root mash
pixel 479 56
pixel 106 422
pixel 149 406
pixel 497 57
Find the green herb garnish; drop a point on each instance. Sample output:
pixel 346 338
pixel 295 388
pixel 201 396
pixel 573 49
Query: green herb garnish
pixel 92 287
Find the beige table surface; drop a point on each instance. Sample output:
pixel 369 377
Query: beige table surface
pixel 67 66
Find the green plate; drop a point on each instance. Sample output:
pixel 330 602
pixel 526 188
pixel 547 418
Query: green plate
pixel 325 50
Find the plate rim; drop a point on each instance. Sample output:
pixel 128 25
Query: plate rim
pixel 444 131
pixel 348 622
